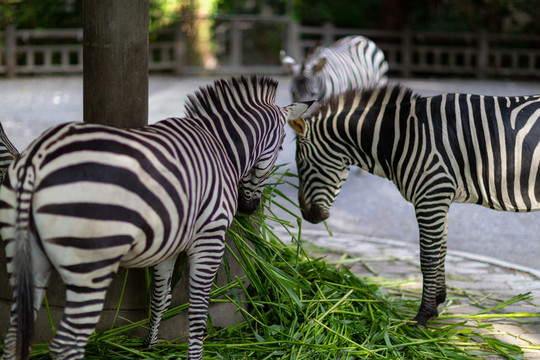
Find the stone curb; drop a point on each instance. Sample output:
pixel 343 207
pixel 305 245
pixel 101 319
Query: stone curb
pixel 415 250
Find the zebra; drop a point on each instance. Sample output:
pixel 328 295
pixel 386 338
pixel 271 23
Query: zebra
pixel 8 153
pixel 85 199
pixel 437 150
pixel 353 62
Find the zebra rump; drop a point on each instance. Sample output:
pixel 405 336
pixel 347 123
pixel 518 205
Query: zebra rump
pixel 353 62
pixel 85 199
pixel 437 150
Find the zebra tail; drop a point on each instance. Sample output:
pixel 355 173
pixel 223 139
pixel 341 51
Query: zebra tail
pixel 24 280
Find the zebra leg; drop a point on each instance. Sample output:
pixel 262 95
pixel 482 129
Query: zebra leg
pixel 161 298
pixel 204 259
pixel 41 269
pixel 85 297
pixel 432 224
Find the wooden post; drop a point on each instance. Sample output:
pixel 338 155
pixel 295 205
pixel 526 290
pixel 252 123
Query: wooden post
pixel 482 56
pixel 292 40
pixel 236 39
pixel 328 34
pixel 115 57
pixel 180 50
pixel 11 51
pixel 406 53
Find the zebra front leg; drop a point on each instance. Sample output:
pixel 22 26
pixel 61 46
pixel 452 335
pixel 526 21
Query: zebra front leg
pixel 432 224
pixel 204 260
pixel 161 298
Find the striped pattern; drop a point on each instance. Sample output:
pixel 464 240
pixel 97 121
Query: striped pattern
pixel 85 199
pixel 437 150
pixel 354 62
pixel 8 152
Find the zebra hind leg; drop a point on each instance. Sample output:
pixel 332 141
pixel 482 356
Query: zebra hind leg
pixel 204 262
pixel 85 297
pixel 161 298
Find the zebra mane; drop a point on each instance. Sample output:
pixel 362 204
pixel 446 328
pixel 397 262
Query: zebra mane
pixel 227 94
pixel 360 98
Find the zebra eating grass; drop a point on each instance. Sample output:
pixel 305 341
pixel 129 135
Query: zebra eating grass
pixel 437 150
pixel 85 199
pixel 353 62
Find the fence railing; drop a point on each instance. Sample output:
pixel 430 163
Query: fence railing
pixel 251 44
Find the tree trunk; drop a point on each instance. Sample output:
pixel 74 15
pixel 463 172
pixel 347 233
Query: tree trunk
pixel 115 57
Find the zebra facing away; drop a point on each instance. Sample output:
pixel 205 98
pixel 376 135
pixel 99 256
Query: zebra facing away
pixel 437 150
pixel 353 62
pixel 85 199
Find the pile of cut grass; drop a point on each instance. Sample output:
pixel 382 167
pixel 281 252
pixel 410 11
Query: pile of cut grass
pixel 299 307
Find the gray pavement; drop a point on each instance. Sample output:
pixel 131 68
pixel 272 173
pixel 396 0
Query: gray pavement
pixel 492 253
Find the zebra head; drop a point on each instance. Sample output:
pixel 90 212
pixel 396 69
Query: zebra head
pixel 321 170
pixel 305 84
pixel 250 186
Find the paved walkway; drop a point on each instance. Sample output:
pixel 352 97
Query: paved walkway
pixel 466 273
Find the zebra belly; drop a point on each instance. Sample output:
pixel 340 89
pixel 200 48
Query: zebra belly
pixel 521 200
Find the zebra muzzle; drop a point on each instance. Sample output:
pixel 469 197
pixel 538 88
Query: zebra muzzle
pixel 314 213
pixel 248 206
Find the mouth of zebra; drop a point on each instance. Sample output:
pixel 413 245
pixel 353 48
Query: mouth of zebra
pixel 248 206
pixel 313 212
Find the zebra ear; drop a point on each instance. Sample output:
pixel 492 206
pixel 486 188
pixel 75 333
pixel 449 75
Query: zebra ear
pixel 298 125
pixel 293 113
pixel 295 110
pixel 287 61
pixel 320 65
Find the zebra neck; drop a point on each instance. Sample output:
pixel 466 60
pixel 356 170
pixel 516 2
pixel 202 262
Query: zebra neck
pixel 373 136
pixel 240 140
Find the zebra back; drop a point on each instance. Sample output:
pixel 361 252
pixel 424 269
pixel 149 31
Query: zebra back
pixel 353 62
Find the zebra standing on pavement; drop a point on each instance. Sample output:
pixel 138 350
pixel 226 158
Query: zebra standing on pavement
pixel 8 153
pixel 437 150
pixel 85 199
pixel 354 62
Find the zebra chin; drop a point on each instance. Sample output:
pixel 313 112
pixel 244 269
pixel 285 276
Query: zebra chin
pixel 248 206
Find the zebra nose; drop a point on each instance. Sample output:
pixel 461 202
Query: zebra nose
pixel 314 213
pixel 248 206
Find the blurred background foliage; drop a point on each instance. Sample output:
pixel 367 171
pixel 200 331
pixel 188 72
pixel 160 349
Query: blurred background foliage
pixel 498 16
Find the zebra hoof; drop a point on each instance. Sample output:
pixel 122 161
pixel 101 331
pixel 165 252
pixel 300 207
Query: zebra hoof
pixel 148 343
pixel 424 315
pixel 441 297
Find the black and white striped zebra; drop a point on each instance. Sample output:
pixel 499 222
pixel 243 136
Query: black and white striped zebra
pixel 85 199
pixel 437 150
pixel 8 152
pixel 353 62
